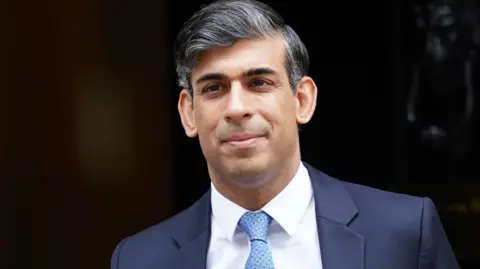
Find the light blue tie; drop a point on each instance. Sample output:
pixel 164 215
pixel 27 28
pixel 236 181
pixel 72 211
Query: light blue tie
pixel 256 225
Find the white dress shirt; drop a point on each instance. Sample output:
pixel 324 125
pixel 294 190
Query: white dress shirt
pixel 293 236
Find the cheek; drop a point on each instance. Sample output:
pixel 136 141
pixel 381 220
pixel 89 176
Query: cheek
pixel 280 112
pixel 206 121
pixel 206 133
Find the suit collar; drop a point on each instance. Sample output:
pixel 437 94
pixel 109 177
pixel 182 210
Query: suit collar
pixel 191 233
pixel 193 221
pixel 332 200
pixel 341 247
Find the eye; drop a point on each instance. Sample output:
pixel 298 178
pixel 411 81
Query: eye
pixel 214 87
pixel 258 83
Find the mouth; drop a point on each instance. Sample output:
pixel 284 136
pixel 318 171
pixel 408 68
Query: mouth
pixel 242 140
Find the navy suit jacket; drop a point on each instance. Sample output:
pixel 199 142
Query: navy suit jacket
pixel 358 227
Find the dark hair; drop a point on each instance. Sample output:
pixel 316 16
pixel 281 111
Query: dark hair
pixel 222 23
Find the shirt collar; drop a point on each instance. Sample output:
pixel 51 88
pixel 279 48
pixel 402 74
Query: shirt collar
pixel 225 213
pixel 287 208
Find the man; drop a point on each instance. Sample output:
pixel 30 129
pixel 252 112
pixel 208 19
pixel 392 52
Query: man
pixel 245 91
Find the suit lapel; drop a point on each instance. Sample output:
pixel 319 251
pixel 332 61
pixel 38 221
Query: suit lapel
pixel 193 255
pixel 192 236
pixel 340 246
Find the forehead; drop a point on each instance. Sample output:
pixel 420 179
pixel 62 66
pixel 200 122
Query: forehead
pixel 242 55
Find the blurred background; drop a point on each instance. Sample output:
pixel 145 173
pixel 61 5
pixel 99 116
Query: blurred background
pixel 92 149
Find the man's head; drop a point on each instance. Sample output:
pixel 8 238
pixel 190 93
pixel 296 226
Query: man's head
pixel 243 73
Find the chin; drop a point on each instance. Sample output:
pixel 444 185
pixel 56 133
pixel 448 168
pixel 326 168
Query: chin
pixel 247 172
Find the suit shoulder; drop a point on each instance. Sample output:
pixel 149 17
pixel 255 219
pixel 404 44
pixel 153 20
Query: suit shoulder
pixel 376 194
pixel 154 244
pixel 388 203
pixel 364 195
pixel 160 229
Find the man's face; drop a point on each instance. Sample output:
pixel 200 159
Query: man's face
pixel 243 109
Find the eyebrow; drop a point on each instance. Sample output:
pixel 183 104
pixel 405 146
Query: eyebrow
pixel 259 71
pixel 248 73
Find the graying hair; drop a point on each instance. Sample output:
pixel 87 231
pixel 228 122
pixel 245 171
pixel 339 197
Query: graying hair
pixel 222 23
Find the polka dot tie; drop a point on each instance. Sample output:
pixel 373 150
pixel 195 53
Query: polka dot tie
pixel 256 226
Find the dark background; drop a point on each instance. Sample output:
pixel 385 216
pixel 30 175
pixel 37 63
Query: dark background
pixel 92 149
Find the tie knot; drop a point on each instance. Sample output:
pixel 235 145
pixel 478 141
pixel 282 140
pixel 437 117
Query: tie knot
pixel 256 225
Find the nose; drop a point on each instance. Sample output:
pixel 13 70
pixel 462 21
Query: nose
pixel 238 107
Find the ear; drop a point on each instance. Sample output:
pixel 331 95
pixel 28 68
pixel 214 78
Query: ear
pixel 185 109
pixel 306 96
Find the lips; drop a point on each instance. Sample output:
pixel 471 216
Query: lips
pixel 242 139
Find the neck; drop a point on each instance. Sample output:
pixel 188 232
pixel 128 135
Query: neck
pixel 271 183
